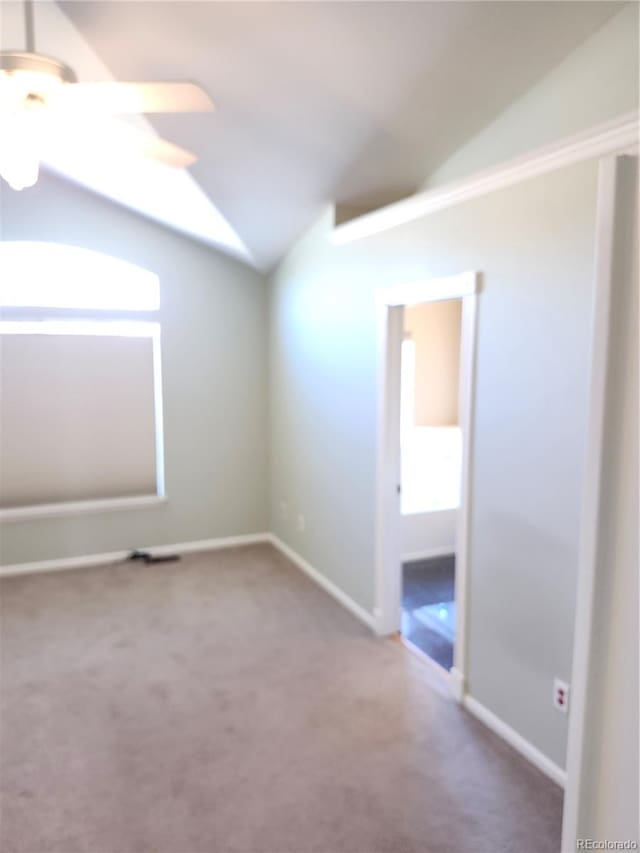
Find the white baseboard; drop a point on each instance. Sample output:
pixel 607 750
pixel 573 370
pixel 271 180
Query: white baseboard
pixel 457 682
pixel 62 563
pixel 456 678
pixel 118 556
pixel 428 553
pixel 106 558
pixel 520 744
pixel 210 544
pixel 327 585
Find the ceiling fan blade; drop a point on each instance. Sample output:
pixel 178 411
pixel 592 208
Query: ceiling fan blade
pixel 129 140
pixel 110 139
pixel 166 152
pixel 127 98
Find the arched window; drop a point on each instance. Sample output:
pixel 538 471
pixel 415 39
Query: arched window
pixel 81 409
pixel 54 275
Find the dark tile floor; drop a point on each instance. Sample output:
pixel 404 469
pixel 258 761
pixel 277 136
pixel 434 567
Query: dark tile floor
pixel 426 583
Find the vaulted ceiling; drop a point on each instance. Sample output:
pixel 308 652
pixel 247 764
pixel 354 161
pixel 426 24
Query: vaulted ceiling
pixel 354 102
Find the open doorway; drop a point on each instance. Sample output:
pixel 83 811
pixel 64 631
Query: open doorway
pixel 430 474
pixel 424 452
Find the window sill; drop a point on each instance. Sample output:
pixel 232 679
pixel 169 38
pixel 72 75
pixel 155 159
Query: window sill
pixel 24 513
pixel 416 509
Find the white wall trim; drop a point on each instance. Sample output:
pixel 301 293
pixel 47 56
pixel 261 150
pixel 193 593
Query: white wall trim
pixel 428 553
pixel 210 544
pixel 590 511
pixel 457 683
pixel 520 744
pixel 109 557
pixel 11 570
pixel 328 586
pixel 466 407
pixel 24 513
pixel 439 289
pixel 615 136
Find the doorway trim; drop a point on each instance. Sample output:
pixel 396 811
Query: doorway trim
pixel 390 302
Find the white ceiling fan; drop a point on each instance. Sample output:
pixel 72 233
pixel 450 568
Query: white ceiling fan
pixel 40 99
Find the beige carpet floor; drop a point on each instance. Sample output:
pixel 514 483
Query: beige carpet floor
pixel 225 703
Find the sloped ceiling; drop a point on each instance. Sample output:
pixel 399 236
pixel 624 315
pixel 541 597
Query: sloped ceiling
pixel 354 102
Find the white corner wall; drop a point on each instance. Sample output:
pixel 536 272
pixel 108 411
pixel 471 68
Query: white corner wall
pixel 214 342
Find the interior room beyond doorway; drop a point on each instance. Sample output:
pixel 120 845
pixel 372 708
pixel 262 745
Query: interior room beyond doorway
pixel 431 462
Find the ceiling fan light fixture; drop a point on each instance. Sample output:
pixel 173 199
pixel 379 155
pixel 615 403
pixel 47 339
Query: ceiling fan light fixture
pixel 18 166
pixel 21 174
pixel 23 94
pixel 40 97
pixel 40 69
pixel 25 81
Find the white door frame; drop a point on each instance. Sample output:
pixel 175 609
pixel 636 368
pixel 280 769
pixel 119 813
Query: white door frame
pixel 391 302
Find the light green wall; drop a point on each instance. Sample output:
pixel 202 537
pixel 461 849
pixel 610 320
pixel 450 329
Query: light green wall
pixel 214 320
pixel 533 245
pixel 596 82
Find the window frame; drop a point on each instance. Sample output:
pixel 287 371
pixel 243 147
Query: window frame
pixel 31 319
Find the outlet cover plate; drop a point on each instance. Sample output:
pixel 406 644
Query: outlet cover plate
pixel 560 695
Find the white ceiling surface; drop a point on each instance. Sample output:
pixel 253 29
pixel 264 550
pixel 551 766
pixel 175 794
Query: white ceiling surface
pixel 354 102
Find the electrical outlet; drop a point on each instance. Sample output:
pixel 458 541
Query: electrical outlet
pixel 560 695
pixel 301 522
pixel 284 510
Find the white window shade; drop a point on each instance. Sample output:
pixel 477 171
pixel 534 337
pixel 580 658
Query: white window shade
pixel 78 413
